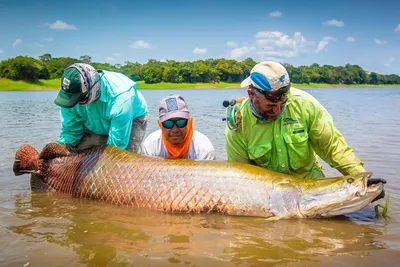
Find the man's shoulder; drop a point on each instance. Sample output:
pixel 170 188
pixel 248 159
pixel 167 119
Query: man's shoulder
pixel 150 145
pixel 153 137
pixel 201 139
pixel 299 92
pixel 301 97
pixel 117 85
pixel 199 135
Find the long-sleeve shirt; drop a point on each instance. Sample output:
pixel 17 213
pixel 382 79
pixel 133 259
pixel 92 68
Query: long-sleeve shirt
pixel 292 143
pixel 112 114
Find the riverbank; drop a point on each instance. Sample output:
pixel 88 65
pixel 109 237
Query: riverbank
pixel 10 85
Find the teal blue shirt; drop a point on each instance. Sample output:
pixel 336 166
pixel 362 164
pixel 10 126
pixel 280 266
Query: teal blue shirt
pixel 112 114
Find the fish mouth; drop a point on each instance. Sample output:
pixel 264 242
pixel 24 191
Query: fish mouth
pixel 369 192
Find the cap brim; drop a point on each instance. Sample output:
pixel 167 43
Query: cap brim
pixel 246 82
pixel 175 115
pixel 66 100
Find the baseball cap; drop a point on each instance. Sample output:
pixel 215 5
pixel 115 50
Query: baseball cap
pixel 173 106
pixel 75 81
pixel 267 76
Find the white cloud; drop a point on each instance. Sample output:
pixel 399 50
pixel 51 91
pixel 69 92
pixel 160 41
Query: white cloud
pixel 380 42
pixel 323 43
pixel 274 45
pixel 242 52
pixel 140 44
pixel 231 44
pixel 48 39
pixel 1 51
pixel 17 42
pixel 281 45
pixel 116 54
pixel 199 51
pixel 397 28
pixel 334 22
pixel 60 25
pixel 389 62
pixel 37 44
pixel 110 59
pixel 350 39
pixel 275 14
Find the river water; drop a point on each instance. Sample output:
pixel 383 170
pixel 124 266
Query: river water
pixel 52 229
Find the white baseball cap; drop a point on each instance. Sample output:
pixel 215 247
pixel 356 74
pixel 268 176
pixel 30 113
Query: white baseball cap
pixel 267 76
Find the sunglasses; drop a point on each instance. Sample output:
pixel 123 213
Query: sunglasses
pixel 274 96
pixel 169 124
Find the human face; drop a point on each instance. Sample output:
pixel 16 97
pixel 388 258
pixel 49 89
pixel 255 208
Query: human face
pixel 265 106
pixel 84 98
pixel 174 130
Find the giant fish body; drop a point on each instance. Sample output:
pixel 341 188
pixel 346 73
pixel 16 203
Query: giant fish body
pixel 113 175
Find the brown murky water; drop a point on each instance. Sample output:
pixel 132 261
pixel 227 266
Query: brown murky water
pixel 52 229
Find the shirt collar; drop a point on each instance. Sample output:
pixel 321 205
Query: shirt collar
pixel 103 90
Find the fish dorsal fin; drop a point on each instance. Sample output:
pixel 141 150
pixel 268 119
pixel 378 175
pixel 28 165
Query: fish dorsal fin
pixel 54 150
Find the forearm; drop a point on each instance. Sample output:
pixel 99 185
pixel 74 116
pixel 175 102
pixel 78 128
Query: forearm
pixel 67 138
pixel 331 146
pixel 120 131
pixel 72 128
pixel 346 162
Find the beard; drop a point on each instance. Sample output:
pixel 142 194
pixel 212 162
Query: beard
pixel 265 112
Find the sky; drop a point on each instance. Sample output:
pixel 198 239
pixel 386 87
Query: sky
pixel 366 33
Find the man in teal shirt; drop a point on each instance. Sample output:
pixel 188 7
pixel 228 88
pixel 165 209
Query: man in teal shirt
pixel 100 107
pixel 285 129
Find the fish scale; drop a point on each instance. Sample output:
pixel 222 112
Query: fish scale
pixel 165 185
pixel 128 179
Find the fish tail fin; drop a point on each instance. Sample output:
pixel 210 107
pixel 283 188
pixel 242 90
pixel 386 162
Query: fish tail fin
pixel 26 160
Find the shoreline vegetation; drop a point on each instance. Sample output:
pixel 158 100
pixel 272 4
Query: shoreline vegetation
pixel 28 73
pixel 54 84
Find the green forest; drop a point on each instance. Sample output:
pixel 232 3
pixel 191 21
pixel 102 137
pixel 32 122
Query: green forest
pixel 24 68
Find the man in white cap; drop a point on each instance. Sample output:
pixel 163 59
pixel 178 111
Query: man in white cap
pixel 285 129
pixel 100 107
pixel 176 138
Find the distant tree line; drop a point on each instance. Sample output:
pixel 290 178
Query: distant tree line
pixel 209 70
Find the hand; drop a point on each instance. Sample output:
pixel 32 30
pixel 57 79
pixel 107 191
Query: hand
pixel 376 181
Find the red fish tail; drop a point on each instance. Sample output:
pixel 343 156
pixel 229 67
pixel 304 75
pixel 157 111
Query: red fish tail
pixel 26 160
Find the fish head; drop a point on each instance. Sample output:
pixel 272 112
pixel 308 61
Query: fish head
pixel 339 195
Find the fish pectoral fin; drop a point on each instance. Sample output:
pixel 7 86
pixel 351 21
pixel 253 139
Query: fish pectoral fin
pixel 284 200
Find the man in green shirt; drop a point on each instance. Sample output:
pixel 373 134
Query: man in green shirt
pixel 285 129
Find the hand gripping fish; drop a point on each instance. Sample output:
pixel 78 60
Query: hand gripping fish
pixel 124 178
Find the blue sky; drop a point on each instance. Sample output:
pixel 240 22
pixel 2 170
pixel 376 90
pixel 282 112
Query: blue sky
pixel 338 32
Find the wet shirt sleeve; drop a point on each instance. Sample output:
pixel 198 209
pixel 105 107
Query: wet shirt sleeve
pixel 329 143
pixel 121 125
pixel 72 127
pixel 235 147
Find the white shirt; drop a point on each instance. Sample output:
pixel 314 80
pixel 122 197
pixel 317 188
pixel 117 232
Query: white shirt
pixel 200 146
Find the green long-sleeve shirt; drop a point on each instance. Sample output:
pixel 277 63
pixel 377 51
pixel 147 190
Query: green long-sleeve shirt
pixel 292 143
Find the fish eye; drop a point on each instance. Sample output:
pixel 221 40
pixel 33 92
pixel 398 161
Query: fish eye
pixel 350 180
